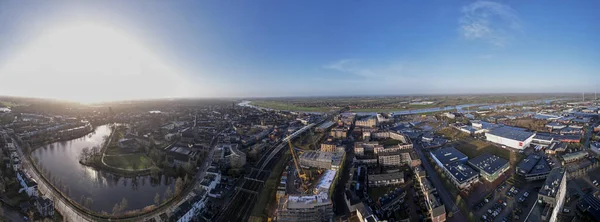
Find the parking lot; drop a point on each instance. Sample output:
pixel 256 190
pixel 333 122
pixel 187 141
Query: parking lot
pixel 509 201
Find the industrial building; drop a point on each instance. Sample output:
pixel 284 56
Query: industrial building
pixel 388 179
pixel 534 167
pixel 452 161
pixel 369 122
pixel 556 147
pixel 572 157
pixel 510 137
pixel 308 208
pixel 448 155
pixel 490 166
pixel 552 194
pixel 323 160
pixel 324 127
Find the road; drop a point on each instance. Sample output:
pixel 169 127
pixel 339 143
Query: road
pixel 67 210
pixel 61 204
pixel 443 193
pixel 588 134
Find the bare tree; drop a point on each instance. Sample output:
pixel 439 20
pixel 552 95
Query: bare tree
pixel 157 199
pixel 168 194
pixel 178 185
pixel 123 205
pixel 116 209
pixel 85 154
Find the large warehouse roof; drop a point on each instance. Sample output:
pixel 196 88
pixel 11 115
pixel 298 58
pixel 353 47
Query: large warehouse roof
pixel 511 133
pixel 448 155
pixel 488 163
pixel 461 172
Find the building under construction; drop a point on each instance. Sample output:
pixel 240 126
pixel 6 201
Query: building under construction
pixel 307 206
pixel 317 206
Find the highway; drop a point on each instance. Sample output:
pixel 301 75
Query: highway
pixel 447 199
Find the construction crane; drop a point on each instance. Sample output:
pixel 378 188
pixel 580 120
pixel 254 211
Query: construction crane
pixel 301 174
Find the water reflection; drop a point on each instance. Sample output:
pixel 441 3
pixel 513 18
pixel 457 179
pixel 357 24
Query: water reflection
pixel 61 159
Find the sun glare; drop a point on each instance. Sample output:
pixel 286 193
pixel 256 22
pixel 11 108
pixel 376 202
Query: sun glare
pixel 89 62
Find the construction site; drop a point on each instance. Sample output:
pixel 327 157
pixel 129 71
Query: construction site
pixel 305 191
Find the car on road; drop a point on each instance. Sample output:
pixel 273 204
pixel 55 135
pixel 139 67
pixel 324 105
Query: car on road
pixel 566 210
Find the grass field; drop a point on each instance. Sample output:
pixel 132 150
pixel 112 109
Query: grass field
pixel 137 161
pixel 289 107
pixel 452 133
pixel 473 147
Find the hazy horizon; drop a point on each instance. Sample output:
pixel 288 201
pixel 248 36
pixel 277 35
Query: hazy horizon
pixel 113 51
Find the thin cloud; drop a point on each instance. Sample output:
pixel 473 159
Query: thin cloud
pixel 351 66
pixel 384 72
pixel 488 21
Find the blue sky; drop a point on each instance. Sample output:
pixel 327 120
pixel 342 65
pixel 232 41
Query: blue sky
pixel 305 48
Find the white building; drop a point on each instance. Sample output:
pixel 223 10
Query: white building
pixel 28 185
pixel 510 137
pixel 189 209
pixel 449 115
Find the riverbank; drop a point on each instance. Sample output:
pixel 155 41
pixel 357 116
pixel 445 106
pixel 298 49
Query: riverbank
pixel 120 172
pixel 37 143
pixel 58 163
pixel 120 164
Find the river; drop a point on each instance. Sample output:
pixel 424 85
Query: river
pixel 61 159
pixel 458 108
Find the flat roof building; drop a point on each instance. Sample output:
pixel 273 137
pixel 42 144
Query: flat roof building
pixel 553 193
pixel 324 127
pixel 308 208
pixel 534 167
pixel 388 179
pixel 452 161
pixel 324 160
pixel 448 155
pixel 575 156
pixel 510 136
pixel 490 166
pixel 590 206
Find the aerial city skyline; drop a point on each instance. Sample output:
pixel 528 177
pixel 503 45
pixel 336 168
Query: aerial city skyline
pixel 247 49
pixel 299 111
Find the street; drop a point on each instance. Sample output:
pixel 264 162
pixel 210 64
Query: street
pixel 443 193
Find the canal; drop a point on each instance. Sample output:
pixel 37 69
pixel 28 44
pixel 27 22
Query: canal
pixel 61 160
